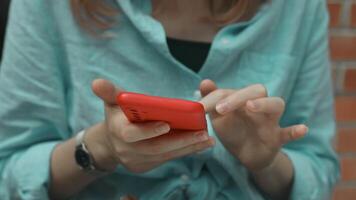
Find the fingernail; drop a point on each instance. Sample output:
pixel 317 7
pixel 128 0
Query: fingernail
pixel 162 127
pixel 222 107
pixel 301 130
pixel 201 136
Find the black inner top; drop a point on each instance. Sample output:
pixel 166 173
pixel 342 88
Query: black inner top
pixel 192 54
pixel 4 6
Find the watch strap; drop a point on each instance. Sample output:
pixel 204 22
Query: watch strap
pixel 81 147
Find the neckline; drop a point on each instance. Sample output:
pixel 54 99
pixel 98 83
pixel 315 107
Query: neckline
pixel 187 41
pixel 154 32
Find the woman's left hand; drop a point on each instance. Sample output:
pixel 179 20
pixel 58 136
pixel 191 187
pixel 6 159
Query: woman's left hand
pixel 247 123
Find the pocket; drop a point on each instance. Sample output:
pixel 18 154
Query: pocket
pixel 278 72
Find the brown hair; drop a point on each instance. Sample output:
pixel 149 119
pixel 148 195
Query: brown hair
pixel 95 16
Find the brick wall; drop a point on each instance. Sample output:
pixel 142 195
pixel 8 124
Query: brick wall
pixel 343 54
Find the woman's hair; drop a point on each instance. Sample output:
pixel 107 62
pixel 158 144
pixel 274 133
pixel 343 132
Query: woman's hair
pixel 95 16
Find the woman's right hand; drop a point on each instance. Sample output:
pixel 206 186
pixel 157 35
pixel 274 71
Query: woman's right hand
pixel 138 147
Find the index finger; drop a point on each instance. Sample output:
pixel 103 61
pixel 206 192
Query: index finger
pixel 240 97
pixel 209 101
pixel 134 132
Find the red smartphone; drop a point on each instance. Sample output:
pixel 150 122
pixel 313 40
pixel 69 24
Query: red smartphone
pixel 178 113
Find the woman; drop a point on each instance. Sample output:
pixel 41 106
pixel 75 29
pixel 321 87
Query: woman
pixel 261 67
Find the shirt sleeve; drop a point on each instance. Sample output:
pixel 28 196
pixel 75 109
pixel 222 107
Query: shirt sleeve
pixel 32 100
pixel 316 167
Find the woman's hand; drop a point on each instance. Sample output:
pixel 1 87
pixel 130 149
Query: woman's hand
pixel 247 123
pixel 138 147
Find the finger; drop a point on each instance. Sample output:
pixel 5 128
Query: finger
pixel 133 132
pixel 273 106
pixel 209 101
pixel 240 97
pixel 194 148
pixel 207 86
pixel 106 91
pixel 292 133
pixel 170 142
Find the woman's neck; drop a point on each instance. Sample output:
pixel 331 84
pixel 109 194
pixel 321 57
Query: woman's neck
pixel 185 19
pixel 191 20
pixel 186 9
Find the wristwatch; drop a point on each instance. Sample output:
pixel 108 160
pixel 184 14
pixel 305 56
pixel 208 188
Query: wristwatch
pixel 82 155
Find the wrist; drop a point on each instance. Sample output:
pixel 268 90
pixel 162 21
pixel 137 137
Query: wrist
pixel 99 148
pixel 276 179
pixel 269 168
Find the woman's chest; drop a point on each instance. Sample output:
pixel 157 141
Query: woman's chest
pixel 145 70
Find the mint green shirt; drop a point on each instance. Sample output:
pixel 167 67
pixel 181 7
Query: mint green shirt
pixel 45 96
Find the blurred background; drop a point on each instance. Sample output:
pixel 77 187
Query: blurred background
pixel 343 55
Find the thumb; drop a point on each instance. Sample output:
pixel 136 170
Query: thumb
pixel 106 91
pixel 207 86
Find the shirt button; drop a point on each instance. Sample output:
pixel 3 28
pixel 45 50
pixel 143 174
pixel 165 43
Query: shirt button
pixel 197 94
pixel 184 178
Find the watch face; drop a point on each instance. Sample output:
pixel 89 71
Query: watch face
pixel 82 158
